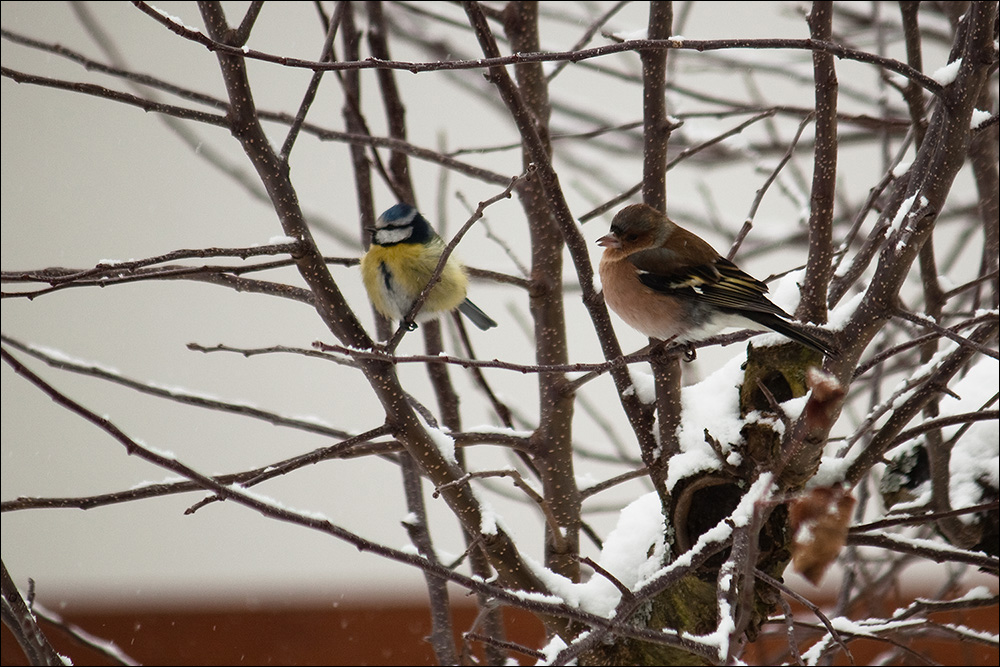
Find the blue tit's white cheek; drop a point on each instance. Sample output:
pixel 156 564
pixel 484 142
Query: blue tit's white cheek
pixel 391 235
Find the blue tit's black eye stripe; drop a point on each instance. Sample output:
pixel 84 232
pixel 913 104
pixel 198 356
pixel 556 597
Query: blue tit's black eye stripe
pixel 396 224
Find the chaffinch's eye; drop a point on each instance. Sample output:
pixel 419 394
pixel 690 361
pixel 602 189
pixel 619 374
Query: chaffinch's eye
pixel 624 236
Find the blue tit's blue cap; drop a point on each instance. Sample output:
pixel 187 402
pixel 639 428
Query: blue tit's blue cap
pixel 400 211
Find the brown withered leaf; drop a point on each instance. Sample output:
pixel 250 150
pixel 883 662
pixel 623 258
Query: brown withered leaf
pixel 819 520
pixel 826 397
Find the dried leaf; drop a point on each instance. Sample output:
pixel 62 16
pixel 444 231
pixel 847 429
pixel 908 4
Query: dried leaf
pixel 819 521
pixel 824 400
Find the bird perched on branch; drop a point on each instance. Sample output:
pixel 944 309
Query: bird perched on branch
pixel 403 256
pixel 665 281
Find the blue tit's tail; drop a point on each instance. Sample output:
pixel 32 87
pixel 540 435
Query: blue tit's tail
pixel 478 317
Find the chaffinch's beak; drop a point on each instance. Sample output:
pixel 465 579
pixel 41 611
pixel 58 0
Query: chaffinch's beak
pixel 610 241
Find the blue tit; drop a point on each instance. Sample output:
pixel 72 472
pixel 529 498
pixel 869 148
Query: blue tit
pixel 402 257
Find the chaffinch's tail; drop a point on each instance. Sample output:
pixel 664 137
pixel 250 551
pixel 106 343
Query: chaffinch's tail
pixel 797 332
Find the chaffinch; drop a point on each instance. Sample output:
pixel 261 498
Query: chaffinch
pixel 665 281
pixel 403 255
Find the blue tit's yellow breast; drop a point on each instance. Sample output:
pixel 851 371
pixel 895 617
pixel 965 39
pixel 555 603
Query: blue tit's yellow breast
pixel 395 275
